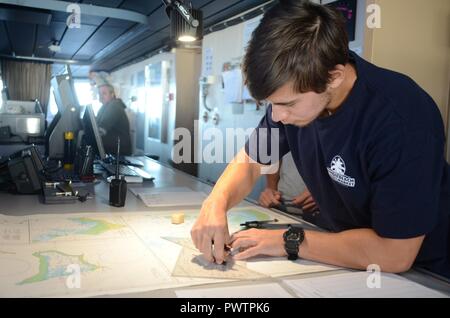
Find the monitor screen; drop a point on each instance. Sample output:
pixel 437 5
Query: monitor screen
pixel 91 133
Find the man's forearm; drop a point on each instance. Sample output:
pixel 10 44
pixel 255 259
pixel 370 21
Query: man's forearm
pixel 359 248
pixel 236 182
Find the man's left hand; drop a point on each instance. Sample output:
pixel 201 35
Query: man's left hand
pixel 255 242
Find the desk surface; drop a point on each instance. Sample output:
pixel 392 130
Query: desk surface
pixel 164 177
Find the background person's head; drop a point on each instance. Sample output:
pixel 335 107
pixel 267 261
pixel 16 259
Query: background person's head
pixel 295 58
pixel 106 93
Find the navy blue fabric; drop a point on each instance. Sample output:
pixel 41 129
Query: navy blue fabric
pixel 378 162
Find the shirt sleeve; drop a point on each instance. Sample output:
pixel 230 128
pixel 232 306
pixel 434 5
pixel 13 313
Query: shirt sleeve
pixel 268 143
pixel 406 171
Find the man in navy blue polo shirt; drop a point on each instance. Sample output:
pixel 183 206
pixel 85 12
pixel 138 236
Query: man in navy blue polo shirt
pixel 368 142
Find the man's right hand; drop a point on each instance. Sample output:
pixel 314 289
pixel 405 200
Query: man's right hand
pixel 211 226
pixel 269 197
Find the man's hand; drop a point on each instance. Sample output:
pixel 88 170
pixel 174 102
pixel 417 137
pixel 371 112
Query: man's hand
pixel 211 226
pixel 305 201
pixel 255 242
pixel 269 197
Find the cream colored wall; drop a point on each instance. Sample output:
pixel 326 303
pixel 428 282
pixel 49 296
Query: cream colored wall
pixel 414 39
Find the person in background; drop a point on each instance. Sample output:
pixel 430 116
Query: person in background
pixel 113 122
pixel 286 191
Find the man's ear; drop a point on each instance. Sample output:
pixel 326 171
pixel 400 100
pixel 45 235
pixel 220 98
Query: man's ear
pixel 337 76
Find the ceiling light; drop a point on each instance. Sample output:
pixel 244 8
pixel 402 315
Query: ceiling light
pixel 54 47
pixel 186 38
pixel 186 23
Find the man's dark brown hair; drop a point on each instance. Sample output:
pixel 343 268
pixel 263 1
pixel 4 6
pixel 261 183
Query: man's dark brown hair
pixel 296 41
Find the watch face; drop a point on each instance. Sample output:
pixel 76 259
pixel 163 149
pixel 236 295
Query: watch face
pixel 293 236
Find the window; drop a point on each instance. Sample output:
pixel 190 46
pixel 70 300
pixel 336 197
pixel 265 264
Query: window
pixel 86 96
pixel 52 108
pixel 155 99
pixel 1 93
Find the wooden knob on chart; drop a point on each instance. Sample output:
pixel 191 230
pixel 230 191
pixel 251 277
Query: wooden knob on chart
pixel 178 218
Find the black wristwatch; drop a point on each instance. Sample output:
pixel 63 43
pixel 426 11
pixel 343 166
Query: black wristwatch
pixel 293 237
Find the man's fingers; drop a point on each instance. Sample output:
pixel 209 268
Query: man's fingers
pixel 266 198
pixel 218 252
pixel 298 201
pixel 243 242
pixel 269 197
pixel 308 200
pixel 302 197
pixel 194 238
pixel 309 207
pixel 240 234
pixel 250 252
pixel 275 199
pixel 227 238
pixel 206 248
pixel 196 235
pixel 264 202
pixel 261 199
pixel 307 204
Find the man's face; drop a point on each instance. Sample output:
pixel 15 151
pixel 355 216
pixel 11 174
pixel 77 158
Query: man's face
pixel 105 94
pixel 298 109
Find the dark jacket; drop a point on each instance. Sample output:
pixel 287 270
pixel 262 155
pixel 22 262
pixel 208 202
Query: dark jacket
pixel 113 119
